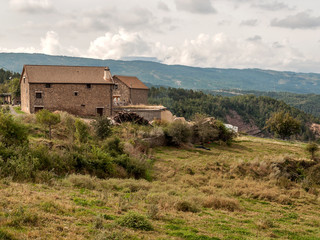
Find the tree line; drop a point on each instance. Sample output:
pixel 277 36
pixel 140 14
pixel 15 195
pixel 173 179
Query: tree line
pixel 187 103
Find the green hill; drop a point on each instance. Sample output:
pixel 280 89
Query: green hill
pixel 181 76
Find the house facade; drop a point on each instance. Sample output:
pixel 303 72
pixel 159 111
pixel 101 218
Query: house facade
pixel 83 91
pixel 79 90
pixel 129 90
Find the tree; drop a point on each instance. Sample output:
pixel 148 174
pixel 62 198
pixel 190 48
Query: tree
pixel 81 132
pixel 283 124
pixel 312 148
pixel 102 127
pixel 48 119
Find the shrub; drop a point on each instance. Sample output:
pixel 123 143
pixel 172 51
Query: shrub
pixel 186 206
pixel 102 127
pixel 81 131
pixel 135 221
pixel 221 203
pixel 178 133
pixel 11 131
pixel 312 148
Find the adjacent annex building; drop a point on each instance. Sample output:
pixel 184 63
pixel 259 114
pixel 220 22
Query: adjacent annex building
pixel 79 90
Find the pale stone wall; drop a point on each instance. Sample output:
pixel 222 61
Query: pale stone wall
pixel 62 97
pixel 24 91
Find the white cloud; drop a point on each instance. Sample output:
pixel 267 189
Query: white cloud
pixel 119 45
pixel 50 43
pixel 301 20
pixel 31 6
pixel 205 50
pixel 195 6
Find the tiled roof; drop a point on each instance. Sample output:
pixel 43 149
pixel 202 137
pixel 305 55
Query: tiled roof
pixel 66 74
pixel 131 82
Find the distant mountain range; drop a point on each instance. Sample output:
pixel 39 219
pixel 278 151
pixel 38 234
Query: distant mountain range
pixel 181 76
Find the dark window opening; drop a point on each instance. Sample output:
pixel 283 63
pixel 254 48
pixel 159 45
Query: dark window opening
pixel 115 87
pixel 24 79
pixel 88 85
pixel 48 85
pixel 100 111
pixel 38 95
pixel 76 93
pixel 83 105
pixel 37 109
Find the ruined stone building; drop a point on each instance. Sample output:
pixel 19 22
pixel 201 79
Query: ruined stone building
pixel 83 91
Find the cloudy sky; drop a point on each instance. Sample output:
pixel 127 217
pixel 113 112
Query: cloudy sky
pixel 267 34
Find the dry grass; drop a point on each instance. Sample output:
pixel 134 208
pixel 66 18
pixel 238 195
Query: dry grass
pixel 196 194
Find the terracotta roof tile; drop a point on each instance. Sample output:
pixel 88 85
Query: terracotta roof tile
pixel 131 82
pixel 66 74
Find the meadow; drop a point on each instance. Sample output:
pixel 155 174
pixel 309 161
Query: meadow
pixel 254 189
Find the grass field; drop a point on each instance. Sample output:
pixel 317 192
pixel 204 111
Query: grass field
pixel 223 193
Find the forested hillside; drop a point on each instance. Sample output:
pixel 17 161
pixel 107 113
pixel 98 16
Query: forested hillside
pixel 186 103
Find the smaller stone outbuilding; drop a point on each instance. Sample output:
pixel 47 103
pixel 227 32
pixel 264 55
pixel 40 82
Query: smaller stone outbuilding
pixel 129 90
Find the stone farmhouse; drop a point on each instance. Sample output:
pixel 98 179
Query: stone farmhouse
pixel 79 90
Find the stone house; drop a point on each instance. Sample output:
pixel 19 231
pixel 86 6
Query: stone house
pixel 83 91
pixel 129 91
pixel 79 90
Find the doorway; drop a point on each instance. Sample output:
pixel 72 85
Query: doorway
pixel 100 112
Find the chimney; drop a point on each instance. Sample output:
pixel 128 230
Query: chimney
pixel 107 74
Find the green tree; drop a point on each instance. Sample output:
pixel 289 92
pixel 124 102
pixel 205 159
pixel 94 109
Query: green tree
pixel 283 124
pixel 48 119
pixel 81 132
pixel 312 148
pixel 102 127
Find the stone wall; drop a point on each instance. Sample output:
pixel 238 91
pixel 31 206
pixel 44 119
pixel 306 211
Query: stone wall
pixel 139 96
pixel 76 99
pixel 122 93
pixel 24 89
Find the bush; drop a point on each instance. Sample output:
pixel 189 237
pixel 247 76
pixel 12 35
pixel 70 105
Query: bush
pixel 81 131
pixel 186 206
pixel 178 133
pixel 135 221
pixel 312 148
pixel 102 127
pixel 11 131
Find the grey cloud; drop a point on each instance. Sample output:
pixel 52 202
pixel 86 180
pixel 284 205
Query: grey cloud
pixel 250 22
pixel 301 20
pixel 163 6
pixel 277 45
pixel 256 38
pixel 274 6
pixel 192 6
pixel 32 6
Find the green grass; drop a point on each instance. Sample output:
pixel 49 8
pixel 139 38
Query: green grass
pixel 18 110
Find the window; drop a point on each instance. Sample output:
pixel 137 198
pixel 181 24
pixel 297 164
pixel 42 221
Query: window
pixel 76 93
pixel 37 109
pixel 24 79
pixel 48 85
pixel 115 87
pixel 38 95
pixel 88 85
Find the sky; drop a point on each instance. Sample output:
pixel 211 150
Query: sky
pixel 268 34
